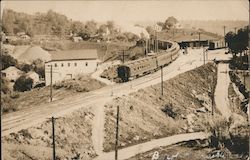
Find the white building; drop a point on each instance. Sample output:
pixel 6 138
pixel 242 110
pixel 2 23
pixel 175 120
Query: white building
pixel 69 64
pixel 11 73
pixel 34 76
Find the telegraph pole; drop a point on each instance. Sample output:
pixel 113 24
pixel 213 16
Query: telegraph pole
pixel 123 56
pixel 199 39
pixel 1 107
pixel 51 83
pixel 173 34
pixel 53 138
pixel 235 30
pixel 117 133
pixel 162 80
pixel 224 27
pixel 248 70
pixel 204 56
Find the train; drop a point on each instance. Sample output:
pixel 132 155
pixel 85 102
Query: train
pixel 137 68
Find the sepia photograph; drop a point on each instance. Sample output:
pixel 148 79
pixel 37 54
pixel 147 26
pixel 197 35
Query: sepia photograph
pixel 125 80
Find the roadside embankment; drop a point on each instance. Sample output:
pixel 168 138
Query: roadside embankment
pixel 146 115
pixel 72 139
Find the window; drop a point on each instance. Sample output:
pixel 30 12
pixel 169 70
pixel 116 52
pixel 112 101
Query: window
pixel 55 64
pixel 75 64
pixel 86 64
pixel 62 64
pixel 68 64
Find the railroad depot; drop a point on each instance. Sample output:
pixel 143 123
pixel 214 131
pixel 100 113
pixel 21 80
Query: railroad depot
pixel 69 64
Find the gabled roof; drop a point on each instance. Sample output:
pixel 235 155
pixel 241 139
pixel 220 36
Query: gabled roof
pixel 74 55
pixel 11 69
pixel 30 73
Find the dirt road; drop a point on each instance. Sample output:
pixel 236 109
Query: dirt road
pixel 22 119
pixel 221 90
pixel 144 147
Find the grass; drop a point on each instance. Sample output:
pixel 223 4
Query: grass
pixel 39 96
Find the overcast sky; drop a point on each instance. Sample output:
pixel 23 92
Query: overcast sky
pixel 139 10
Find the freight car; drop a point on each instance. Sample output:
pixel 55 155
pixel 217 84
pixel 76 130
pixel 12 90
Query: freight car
pixel 137 68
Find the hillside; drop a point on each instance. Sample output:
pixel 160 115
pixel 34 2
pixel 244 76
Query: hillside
pixel 145 114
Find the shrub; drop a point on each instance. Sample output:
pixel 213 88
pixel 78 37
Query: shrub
pixel 8 105
pixel 25 67
pixel 23 83
pixel 4 86
pixel 14 95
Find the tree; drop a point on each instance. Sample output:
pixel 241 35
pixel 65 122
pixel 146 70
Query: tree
pixel 76 27
pixel 7 61
pixel 170 23
pixel 131 36
pixel 25 67
pixel 5 85
pixel 91 27
pixel 161 24
pixel 150 30
pixel 237 43
pixel 38 66
pixel 23 83
pixel 111 26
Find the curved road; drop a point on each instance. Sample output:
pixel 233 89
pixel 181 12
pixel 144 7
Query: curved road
pixel 147 146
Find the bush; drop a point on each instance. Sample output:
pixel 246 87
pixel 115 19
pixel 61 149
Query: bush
pixel 23 83
pixel 4 86
pixel 8 105
pixel 14 95
pixel 25 67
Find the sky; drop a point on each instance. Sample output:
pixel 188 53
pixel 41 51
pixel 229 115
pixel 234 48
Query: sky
pixel 147 10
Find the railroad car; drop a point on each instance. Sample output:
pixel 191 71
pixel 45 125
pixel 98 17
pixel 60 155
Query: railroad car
pixel 133 69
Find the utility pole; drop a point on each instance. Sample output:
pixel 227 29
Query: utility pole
pixel 162 80
pixel 204 56
pixel 173 34
pixel 53 138
pixel 248 29
pixel 235 30
pixel 199 39
pixel 117 133
pixel 224 27
pixel 51 83
pixel 123 56
pixel 1 107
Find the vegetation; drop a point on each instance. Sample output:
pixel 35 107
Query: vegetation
pixel 52 23
pixel 23 83
pixel 237 43
pixel 169 23
pixel 7 61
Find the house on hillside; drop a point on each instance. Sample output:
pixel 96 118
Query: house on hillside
pixel 11 73
pixel 23 35
pixel 77 39
pixel 68 64
pixel 34 76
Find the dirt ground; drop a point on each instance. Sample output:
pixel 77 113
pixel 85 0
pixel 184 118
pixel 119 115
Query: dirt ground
pixel 22 100
pixel 146 114
pixel 73 139
pixel 184 152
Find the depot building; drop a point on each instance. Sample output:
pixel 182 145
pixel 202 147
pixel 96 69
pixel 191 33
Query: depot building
pixel 69 64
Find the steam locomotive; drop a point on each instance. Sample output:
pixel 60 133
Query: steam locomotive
pixel 134 69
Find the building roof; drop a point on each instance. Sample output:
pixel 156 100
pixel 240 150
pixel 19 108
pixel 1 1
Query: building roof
pixel 74 55
pixel 31 73
pixel 33 53
pixel 11 69
pixel 187 35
